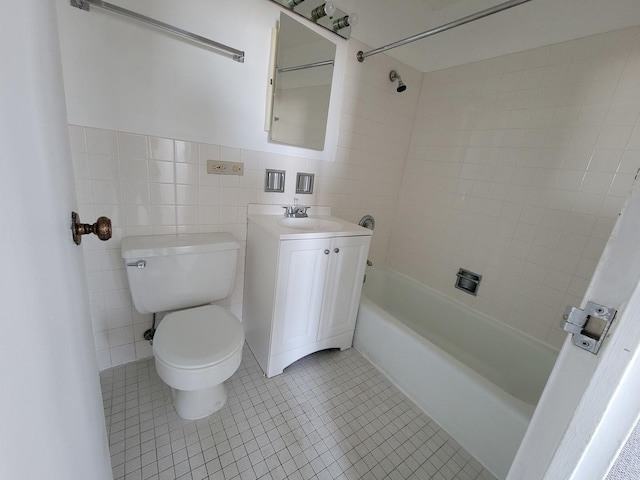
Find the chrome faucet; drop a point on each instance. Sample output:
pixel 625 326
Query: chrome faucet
pixel 295 210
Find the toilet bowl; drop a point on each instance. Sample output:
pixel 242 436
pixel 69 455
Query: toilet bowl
pixel 199 346
pixel 195 351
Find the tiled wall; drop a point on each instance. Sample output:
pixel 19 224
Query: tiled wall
pixel 518 168
pixel 150 185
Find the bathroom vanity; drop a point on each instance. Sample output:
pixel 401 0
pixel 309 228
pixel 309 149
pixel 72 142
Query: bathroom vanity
pixel 303 280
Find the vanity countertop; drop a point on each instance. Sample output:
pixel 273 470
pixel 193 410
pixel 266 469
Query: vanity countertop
pixel 320 225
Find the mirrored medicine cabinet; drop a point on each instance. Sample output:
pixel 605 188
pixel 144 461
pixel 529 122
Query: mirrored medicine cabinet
pixel 300 86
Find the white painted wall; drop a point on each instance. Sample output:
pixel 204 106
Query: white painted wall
pixel 51 407
pixel 122 75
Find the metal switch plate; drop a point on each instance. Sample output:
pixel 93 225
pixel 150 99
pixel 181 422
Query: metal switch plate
pixel 589 326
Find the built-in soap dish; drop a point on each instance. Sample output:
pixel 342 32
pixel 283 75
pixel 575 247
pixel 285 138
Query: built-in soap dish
pixel 304 183
pixel 468 281
pixel 274 180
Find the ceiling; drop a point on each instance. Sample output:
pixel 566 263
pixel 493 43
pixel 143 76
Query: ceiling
pixel 530 25
pixel 436 4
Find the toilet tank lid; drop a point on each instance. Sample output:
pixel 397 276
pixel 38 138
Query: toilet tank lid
pixel 183 243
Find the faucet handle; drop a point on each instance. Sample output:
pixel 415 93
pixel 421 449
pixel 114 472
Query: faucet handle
pixel 300 212
pixel 295 210
pixel 288 210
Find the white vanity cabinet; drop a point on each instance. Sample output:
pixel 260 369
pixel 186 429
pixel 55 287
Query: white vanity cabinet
pixel 301 294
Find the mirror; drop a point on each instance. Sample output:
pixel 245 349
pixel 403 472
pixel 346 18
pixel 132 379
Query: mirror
pixel 301 86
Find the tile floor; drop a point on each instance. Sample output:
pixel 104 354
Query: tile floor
pixel 331 415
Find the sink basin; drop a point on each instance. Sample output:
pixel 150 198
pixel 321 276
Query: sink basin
pixel 310 224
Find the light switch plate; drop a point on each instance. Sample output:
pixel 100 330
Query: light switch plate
pixel 225 168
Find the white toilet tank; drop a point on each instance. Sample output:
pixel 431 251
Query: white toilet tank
pixel 179 271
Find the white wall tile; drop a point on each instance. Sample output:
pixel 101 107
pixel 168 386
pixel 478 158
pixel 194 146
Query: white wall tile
pixel 120 336
pixel 187 215
pixel 163 215
pixel 614 136
pixel 137 215
pixel 187 194
pixel 143 349
pixel 596 182
pixel 134 170
pixel 621 184
pixel 122 354
pixel 160 186
pixel 104 359
pixel 162 193
pixel 187 173
pixel 116 299
pixel 161 148
pixel 77 139
pixel 209 152
pixel 101 142
pixel 557 178
pixel 161 171
pixel 132 146
pixel 229 154
pixel 135 193
pixel 516 165
pixel 103 167
pixel 611 206
pixel 106 192
pixel 186 152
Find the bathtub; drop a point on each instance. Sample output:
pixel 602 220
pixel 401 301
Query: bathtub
pixel 477 378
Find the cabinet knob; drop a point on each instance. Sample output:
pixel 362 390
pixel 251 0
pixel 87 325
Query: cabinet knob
pixel 336 250
pixel 326 252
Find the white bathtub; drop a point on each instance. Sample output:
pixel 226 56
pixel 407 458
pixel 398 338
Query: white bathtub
pixel 477 378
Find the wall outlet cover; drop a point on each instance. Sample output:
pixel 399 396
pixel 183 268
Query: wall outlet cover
pixel 225 168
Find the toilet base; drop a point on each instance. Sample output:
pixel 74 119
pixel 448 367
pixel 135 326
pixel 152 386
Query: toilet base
pixel 197 404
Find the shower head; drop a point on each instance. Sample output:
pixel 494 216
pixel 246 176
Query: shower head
pixel 393 76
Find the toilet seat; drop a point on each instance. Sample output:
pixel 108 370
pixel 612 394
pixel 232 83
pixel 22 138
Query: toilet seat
pixel 198 347
pixel 198 337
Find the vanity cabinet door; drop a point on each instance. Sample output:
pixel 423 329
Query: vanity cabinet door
pixel 302 272
pixel 345 275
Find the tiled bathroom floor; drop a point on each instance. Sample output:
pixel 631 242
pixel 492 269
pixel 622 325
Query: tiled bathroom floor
pixel 331 415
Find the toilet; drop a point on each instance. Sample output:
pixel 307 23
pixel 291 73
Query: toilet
pixel 197 346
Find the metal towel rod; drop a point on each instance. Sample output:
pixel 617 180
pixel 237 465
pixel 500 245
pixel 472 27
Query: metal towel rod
pixel 447 26
pixel 237 55
pixel 305 66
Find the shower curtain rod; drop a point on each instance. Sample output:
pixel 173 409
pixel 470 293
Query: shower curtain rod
pixel 447 26
pixel 237 55
pixel 305 66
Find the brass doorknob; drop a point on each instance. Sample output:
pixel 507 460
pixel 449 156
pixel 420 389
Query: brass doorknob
pixel 102 228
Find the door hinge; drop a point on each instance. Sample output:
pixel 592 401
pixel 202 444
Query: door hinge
pixel 589 326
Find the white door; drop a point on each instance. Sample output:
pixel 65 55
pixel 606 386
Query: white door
pixel 51 406
pixel 592 402
pixel 302 270
pixel 347 261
